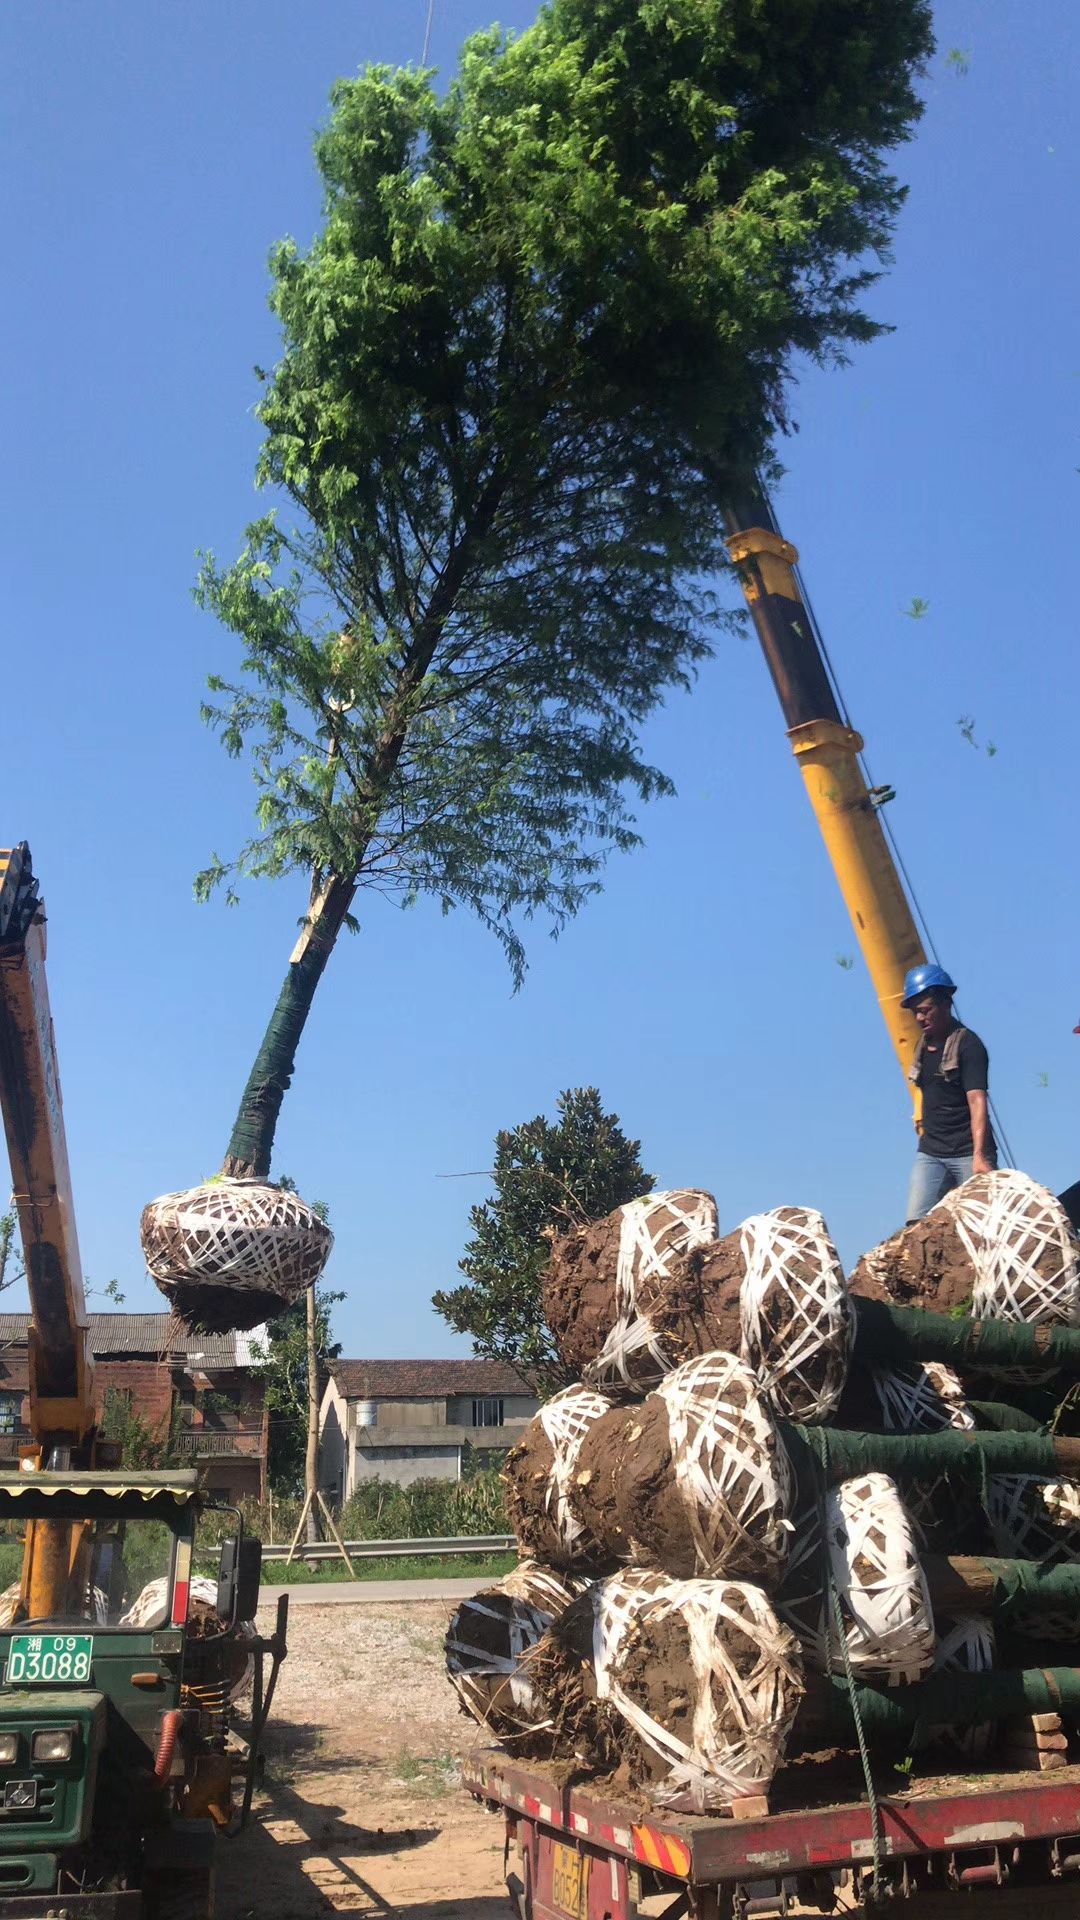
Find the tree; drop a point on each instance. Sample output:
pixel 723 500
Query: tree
pixel 141 1443
pixel 282 1363
pixel 547 1177
pixel 12 1267
pixel 547 317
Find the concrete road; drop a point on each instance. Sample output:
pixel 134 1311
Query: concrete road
pixel 345 1593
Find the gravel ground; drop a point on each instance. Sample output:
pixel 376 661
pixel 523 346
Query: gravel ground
pixel 362 1809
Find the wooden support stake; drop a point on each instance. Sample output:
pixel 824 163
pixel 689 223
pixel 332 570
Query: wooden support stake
pixel 299 1529
pixel 339 1542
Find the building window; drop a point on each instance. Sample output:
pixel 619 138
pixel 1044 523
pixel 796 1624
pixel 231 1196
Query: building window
pixel 487 1413
pixel 10 1409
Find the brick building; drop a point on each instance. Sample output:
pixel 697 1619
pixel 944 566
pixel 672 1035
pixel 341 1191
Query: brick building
pixel 202 1386
pixel 406 1420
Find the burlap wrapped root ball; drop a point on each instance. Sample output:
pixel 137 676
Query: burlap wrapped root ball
pixel 1000 1246
pixel 230 1254
pixel 796 1319
pixel 705 1682
pixel 488 1642
pixel 695 1481
pixel 857 1546
pixel 538 1472
pixel 604 1281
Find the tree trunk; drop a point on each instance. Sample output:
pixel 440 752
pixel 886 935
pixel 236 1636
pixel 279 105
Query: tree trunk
pixel 311 1457
pixel 251 1143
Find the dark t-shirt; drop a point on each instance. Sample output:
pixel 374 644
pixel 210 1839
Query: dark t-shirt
pixel 946 1129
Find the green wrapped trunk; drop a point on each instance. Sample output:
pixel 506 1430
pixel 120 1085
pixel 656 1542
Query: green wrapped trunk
pixel 898 1336
pixel 251 1143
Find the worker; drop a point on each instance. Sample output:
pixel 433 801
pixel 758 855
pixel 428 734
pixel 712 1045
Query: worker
pixel 951 1071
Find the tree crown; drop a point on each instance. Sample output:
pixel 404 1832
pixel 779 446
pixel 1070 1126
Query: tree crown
pixel 548 1176
pixel 546 315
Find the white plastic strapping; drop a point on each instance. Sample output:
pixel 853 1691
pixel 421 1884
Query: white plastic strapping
pixel 652 1231
pixel 1025 1254
pixel 793 1273
pixel 741 1721
pixel 1034 1519
pixel 150 1609
pixel 523 1606
pixel 965 1645
pixel 730 1466
pixel 876 1572
pixel 926 1397
pixel 566 1419
pixel 877 1575
pixel 240 1233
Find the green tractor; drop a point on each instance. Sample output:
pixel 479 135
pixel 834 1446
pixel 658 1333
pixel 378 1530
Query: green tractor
pixel 118 1754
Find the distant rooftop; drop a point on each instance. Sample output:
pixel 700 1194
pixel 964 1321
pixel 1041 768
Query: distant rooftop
pixel 424 1379
pixel 157 1335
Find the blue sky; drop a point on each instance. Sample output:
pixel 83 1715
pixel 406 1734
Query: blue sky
pixel 151 154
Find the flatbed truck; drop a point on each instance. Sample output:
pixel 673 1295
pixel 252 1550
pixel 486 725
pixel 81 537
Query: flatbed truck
pixel 590 1852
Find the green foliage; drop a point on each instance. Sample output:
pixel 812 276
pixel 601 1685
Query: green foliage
pixel 282 1362
pixel 546 316
pixel 548 1177
pixel 381 1510
pixel 142 1443
pixel 399 1566
pixel 12 1269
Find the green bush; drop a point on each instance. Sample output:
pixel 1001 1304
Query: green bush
pixel 380 1510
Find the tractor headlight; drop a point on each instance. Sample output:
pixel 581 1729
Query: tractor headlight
pixel 9 1749
pixel 51 1746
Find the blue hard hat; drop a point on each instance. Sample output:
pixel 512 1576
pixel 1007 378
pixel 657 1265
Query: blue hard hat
pixel 922 979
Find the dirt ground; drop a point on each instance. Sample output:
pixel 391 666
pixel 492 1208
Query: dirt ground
pixel 361 1810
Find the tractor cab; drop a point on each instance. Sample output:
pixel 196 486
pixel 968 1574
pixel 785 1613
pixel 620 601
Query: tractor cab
pixel 116 1756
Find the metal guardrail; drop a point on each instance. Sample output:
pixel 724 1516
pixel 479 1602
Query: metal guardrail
pixel 425 1544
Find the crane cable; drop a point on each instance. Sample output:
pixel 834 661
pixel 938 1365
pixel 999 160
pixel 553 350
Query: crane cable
pixel 928 938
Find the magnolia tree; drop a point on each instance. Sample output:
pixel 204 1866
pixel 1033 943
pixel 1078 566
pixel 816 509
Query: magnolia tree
pixel 548 1176
pixel 549 314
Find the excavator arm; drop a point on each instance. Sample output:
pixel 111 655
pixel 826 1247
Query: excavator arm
pixel 62 1412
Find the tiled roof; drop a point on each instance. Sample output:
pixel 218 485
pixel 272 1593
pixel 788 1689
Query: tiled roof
pixel 423 1379
pixel 155 1334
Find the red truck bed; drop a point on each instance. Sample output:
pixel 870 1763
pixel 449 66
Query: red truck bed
pixel 937 1833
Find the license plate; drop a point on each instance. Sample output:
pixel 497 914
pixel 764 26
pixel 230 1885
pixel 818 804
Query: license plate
pixel 49 1659
pixel 569 1881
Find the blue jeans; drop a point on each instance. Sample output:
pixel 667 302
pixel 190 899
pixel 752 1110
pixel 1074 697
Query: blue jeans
pixel 932 1179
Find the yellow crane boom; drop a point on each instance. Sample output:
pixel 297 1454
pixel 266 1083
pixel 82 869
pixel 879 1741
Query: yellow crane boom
pixel 827 750
pixel 61 1368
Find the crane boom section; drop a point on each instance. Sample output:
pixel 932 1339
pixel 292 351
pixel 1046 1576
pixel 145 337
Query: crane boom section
pixel 61 1369
pixel 827 751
